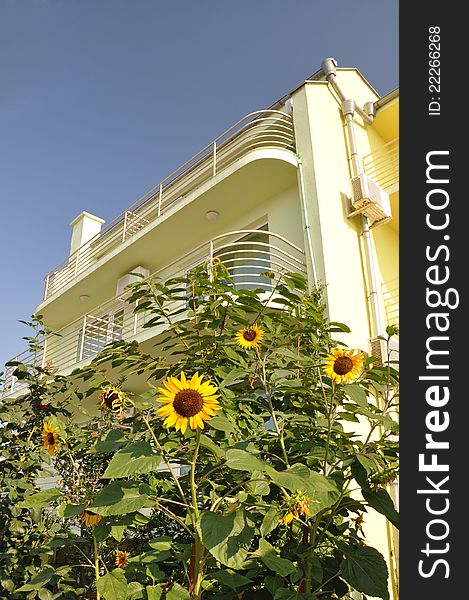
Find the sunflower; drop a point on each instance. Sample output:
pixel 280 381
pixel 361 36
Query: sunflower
pixel 344 366
pixel 187 401
pixel 287 518
pixel 113 399
pixel 122 559
pixel 249 337
pixel 89 519
pixel 299 505
pixel 50 435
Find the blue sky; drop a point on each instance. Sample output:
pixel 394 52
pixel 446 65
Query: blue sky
pixel 102 99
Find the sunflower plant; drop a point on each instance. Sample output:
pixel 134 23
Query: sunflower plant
pixel 245 469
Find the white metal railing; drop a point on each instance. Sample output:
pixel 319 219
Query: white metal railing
pixel 247 254
pixel 260 129
pixel 382 165
pixel 390 292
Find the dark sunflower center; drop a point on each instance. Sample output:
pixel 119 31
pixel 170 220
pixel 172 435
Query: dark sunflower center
pixel 109 398
pixel 249 335
pixel 188 403
pixel 50 439
pixel 343 365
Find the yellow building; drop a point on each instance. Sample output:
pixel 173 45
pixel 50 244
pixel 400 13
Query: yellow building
pixel 310 185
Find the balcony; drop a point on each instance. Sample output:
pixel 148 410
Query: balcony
pixel 390 293
pixel 259 130
pixel 247 254
pixel 382 165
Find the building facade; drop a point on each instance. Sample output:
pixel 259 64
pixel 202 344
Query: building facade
pixel 309 185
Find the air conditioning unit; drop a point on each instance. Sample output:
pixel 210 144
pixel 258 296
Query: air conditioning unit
pixel 123 282
pixel 371 200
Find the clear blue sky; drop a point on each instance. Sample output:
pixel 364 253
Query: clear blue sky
pixel 102 99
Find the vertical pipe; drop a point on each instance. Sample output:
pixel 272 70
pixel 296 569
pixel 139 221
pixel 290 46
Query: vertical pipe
pixel 135 318
pixel 125 226
pixel 214 158
pixel 211 262
pixel 44 350
pixel 373 284
pixel 159 199
pixel 348 108
pixel 82 344
pixel 46 287
pixel 310 264
pixel 76 262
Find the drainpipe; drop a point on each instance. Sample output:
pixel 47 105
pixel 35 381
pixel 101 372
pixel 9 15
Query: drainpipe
pixel 310 263
pixel 328 67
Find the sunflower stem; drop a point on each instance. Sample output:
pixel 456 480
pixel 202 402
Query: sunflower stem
pixel 166 461
pixel 199 549
pixel 96 565
pixel 268 395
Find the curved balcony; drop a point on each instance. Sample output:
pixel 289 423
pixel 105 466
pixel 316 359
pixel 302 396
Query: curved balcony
pixel 390 294
pixel 382 165
pixel 254 259
pixel 268 129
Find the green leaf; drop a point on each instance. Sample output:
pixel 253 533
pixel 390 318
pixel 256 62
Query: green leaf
pixel 177 592
pixel 228 537
pixel 134 459
pixel 272 561
pixel 214 448
pixel 356 393
pixel 321 490
pixel 221 423
pixel 258 488
pixel 113 585
pixel 38 581
pixel 154 592
pixel 286 594
pixel 241 460
pixel 101 532
pixel 365 570
pixel 114 439
pixel 271 520
pixel 70 510
pixel 134 591
pixel 119 498
pixel 231 579
pixel 154 572
pixel 40 499
pixel 382 502
pixel 366 463
pixel 162 543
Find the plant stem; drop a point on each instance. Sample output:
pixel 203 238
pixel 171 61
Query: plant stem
pixel 279 431
pixel 96 564
pixel 330 410
pixel 163 455
pixel 199 549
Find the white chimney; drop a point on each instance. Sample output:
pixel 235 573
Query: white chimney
pixel 84 227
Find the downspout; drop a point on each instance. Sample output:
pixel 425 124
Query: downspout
pixel 328 67
pixel 310 263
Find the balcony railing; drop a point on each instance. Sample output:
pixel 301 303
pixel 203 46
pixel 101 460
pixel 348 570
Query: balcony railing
pixel 390 291
pixel 382 165
pixel 261 129
pixel 247 254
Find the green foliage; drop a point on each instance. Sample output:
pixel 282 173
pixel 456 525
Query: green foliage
pixel 258 505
